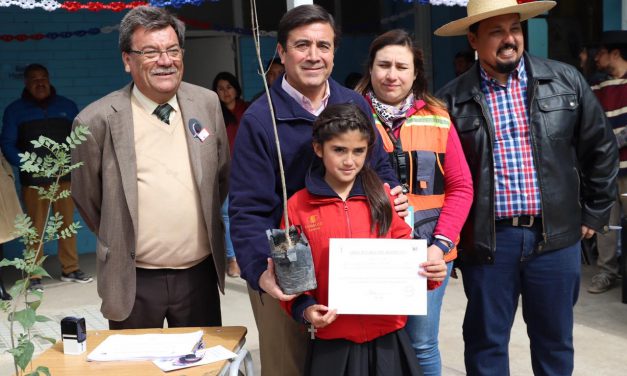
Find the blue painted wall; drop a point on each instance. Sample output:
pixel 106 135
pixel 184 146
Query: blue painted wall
pixel 81 68
pixel 612 14
pixel 445 48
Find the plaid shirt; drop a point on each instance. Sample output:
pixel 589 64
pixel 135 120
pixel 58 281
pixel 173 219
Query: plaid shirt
pixel 516 183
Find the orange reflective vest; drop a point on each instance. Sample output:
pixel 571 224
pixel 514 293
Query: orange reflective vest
pixel 423 138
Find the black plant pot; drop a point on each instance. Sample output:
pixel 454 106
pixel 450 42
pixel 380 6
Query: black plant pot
pixel 293 266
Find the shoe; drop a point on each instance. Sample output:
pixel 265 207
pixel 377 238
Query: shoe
pixel 4 294
pixel 601 282
pixel 36 285
pixel 232 269
pixel 76 276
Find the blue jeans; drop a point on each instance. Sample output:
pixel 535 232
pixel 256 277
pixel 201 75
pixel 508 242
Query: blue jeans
pixel 549 286
pixel 423 330
pixel 230 253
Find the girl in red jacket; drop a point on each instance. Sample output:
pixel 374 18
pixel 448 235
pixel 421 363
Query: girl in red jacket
pixel 344 198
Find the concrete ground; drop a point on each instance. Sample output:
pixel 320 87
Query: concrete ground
pixel 600 323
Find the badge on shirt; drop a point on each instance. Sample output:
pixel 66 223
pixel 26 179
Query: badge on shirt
pixel 198 131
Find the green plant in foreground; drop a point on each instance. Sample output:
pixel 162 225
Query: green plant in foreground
pixel 55 164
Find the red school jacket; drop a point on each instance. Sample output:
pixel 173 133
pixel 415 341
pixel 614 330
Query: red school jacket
pixel 321 214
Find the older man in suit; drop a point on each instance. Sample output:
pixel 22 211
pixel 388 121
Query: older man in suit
pixel 154 178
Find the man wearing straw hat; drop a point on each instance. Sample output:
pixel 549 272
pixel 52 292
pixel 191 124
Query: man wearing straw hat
pixel 544 164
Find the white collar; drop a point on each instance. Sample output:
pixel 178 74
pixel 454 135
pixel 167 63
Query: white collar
pixel 149 105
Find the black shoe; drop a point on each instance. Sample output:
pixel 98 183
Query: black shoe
pixel 4 294
pixel 36 285
pixel 76 276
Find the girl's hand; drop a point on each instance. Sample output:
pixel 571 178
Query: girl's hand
pixel 319 315
pixel 435 267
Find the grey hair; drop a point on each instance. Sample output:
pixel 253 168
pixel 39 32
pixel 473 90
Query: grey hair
pixel 150 18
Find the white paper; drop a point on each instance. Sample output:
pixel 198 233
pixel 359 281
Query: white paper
pixel 210 355
pixel 145 346
pixel 377 276
pixel 409 218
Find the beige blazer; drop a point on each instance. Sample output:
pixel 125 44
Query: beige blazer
pixel 105 187
pixel 9 202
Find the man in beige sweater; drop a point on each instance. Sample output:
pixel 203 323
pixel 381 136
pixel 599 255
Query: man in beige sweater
pixel 154 178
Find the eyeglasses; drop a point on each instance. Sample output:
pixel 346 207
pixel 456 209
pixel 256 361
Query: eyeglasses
pixel 150 55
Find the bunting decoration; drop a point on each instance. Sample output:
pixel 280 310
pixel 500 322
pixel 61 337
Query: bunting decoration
pixel 61 34
pixel 96 6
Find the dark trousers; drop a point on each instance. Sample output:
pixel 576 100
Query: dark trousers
pixel 283 342
pixel 549 286
pixel 184 297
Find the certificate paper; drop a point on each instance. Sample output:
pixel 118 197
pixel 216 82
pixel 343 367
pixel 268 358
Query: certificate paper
pixel 377 276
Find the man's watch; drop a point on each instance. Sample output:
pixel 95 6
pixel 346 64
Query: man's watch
pixel 444 245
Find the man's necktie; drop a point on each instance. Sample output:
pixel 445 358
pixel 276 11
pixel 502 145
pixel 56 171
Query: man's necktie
pixel 163 112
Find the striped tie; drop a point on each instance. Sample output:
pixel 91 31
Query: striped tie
pixel 163 112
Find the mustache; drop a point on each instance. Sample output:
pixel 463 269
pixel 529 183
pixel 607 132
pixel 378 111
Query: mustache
pixel 164 70
pixel 506 46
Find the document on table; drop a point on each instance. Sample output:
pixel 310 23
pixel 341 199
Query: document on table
pixel 145 346
pixel 210 355
pixel 377 276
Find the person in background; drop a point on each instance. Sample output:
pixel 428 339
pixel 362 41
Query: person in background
pixel 349 200
pixel 155 175
pixel 274 70
pixel 42 112
pixel 424 148
pixel 543 161
pixel 588 66
pixel 233 107
pixel 463 61
pixel 611 58
pixel 9 209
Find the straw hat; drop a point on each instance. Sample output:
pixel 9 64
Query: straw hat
pixel 479 10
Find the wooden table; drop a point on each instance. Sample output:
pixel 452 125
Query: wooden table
pixel 231 337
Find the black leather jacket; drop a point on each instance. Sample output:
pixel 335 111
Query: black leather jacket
pixel 574 151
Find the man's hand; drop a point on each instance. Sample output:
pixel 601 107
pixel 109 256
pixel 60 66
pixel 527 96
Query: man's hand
pixel 586 232
pixel 268 283
pixel 435 267
pixel 400 202
pixel 319 315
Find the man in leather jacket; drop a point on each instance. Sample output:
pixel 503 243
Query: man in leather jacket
pixel 544 163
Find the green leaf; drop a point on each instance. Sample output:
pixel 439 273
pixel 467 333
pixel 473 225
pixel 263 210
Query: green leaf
pixel 5 305
pixel 41 318
pixel 37 294
pixel 34 305
pixel 39 270
pixel 43 370
pixel 18 288
pixel 15 352
pixel 26 356
pixel 25 317
pixel 6 262
pixel 49 339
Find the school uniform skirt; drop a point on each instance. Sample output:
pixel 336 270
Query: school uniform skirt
pixel 389 355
